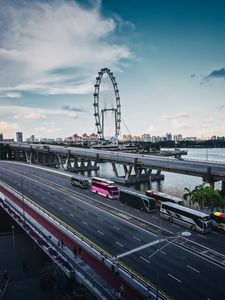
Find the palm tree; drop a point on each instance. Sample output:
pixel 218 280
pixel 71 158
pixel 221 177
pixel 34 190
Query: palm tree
pixel 205 196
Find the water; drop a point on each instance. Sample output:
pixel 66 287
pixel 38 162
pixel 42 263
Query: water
pixel 173 183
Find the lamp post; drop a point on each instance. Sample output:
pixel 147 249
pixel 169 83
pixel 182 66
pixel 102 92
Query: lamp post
pixel 170 240
pixel 13 239
pixel 22 197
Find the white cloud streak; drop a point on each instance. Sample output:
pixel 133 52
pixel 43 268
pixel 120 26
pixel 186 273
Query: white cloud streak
pixel 30 116
pixel 47 47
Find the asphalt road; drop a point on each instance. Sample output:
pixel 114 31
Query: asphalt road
pixel 178 272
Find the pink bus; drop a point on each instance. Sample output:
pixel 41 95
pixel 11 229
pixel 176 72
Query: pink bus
pixel 105 189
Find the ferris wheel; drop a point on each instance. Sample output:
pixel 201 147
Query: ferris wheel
pixel 107 108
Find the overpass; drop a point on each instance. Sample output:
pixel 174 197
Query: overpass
pixel 142 166
pixel 44 203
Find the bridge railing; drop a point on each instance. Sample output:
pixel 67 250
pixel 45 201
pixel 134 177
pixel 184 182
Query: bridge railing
pixel 76 266
pixel 145 285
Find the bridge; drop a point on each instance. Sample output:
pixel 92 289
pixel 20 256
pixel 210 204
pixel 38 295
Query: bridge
pixel 49 209
pixel 142 165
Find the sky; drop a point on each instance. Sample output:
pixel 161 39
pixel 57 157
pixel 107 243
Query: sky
pixel 168 58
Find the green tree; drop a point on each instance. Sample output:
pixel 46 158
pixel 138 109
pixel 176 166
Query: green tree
pixel 205 196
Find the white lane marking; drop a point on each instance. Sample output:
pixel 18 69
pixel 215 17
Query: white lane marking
pixel 99 219
pixel 174 278
pixel 118 217
pixel 154 217
pixel 193 269
pixel 121 245
pixel 144 259
pixel 214 232
pixel 72 215
pixel 136 238
pixel 175 225
pixel 162 252
pixel 203 236
pixel 61 208
pixel 84 222
pixel 116 227
pixel 100 232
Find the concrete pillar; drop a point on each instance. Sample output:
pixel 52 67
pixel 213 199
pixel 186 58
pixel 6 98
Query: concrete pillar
pixel 68 162
pixel 114 168
pixel 89 165
pixel 82 164
pixel 127 171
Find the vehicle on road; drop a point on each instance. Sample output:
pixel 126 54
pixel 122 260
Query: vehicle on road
pixel 105 189
pixel 188 217
pixel 162 197
pixel 80 181
pixel 137 200
pixel 99 179
pixel 218 221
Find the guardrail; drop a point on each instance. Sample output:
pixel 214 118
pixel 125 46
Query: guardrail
pixel 129 274
pixel 75 265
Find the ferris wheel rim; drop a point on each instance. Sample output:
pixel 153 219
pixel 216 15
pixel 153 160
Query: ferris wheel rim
pixel 96 102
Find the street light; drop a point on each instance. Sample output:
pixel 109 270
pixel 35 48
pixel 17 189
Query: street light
pixel 22 197
pixel 153 243
pixel 13 238
pixel 174 238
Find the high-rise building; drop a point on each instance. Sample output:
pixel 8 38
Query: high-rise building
pixel 19 137
pixel 1 136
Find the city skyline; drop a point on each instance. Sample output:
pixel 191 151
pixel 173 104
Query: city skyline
pixel 167 56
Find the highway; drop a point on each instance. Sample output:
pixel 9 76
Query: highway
pixel 178 272
pixel 191 167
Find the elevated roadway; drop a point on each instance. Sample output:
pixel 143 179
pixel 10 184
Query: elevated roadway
pixel 175 270
pixel 209 170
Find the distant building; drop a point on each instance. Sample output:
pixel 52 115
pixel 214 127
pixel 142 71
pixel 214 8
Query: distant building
pixel 168 137
pixel 19 137
pixel 47 140
pixel 191 138
pixel 177 138
pixel 127 137
pixel 1 136
pixel 31 139
pixel 59 139
pixel 146 137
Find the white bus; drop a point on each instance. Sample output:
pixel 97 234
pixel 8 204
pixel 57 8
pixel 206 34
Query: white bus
pixel 80 181
pixel 188 217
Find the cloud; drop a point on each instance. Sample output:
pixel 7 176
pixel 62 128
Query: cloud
pixel 48 129
pixel 74 109
pixel 221 107
pixel 176 116
pixel 55 47
pixel 31 116
pixel 193 75
pixel 9 128
pixel 216 74
pixel 10 95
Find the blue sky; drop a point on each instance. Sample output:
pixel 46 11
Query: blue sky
pixel 168 58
